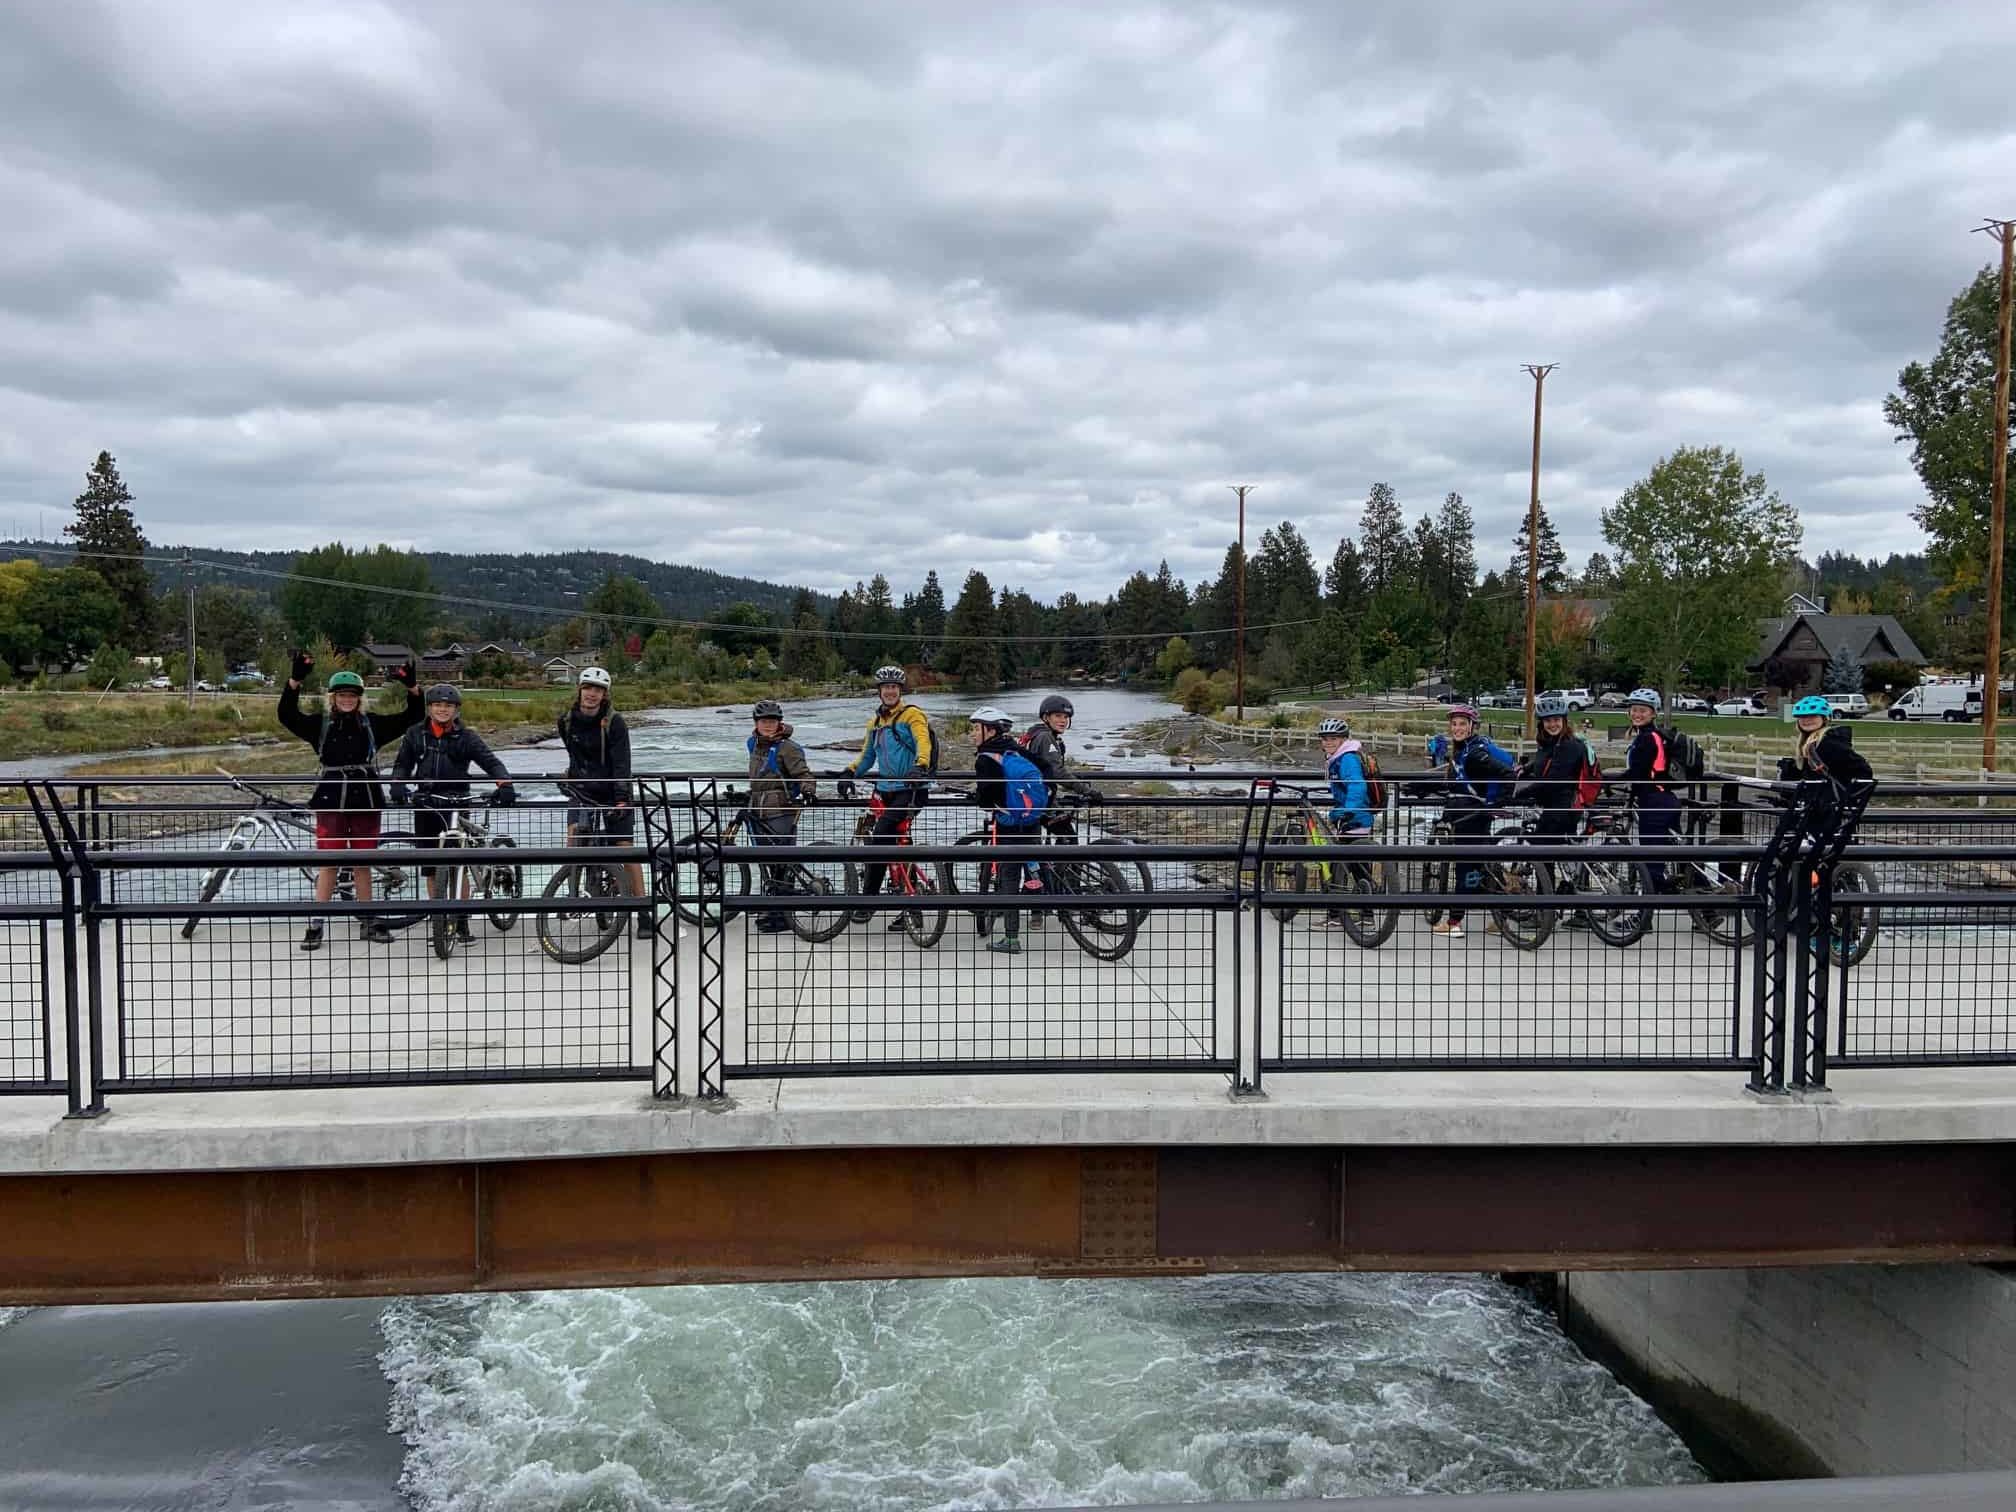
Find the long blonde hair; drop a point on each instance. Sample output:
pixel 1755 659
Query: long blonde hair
pixel 1803 743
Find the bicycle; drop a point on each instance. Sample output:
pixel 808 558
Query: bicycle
pixel 1521 928
pixel 914 879
pixel 1306 827
pixel 501 882
pixel 1105 933
pixel 576 936
pixel 796 876
pixel 1599 828
pixel 274 821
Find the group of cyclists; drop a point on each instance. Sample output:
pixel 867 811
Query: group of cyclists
pixel 1018 780
pixel 1476 779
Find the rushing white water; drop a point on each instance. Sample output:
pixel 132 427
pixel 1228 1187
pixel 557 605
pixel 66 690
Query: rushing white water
pixel 1005 1393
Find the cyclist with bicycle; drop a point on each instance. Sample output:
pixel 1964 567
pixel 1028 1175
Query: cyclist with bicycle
pixel 1010 787
pixel 780 783
pixel 898 751
pixel 1474 772
pixel 437 755
pixel 1820 749
pixel 348 799
pixel 1558 779
pixel 1350 816
pixel 598 773
pixel 1043 743
pixel 1648 768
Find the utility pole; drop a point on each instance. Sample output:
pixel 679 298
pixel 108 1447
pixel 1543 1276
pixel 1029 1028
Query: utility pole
pixel 1539 371
pixel 189 592
pixel 1239 612
pixel 1998 494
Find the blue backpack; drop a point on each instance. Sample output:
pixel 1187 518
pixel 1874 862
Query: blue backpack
pixel 1025 797
pixel 1491 792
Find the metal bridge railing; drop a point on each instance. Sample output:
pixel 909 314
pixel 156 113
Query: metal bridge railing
pixel 1214 922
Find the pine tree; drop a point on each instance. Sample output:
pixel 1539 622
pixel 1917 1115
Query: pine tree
pixel 1553 557
pixel 972 655
pixel 1344 583
pixel 105 528
pixel 1843 673
pixel 1598 577
pixel 1382 532
pixel 806 654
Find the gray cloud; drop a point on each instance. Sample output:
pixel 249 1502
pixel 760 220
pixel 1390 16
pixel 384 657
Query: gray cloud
pixel 806 290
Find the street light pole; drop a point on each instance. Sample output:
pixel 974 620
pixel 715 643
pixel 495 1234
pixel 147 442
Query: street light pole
pixel 1239 611
pixel 1539 371
pixel 1991 693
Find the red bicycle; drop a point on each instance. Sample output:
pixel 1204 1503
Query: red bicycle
pixel 914 879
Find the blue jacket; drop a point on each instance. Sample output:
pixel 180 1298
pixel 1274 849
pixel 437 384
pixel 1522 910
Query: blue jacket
pixel 1350 795
pixel 897 748
pixel 1477 767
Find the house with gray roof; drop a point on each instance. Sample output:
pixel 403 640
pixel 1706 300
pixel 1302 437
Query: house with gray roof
pixel 1802 644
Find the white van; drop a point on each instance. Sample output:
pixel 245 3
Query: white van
pixel 1849 705
pixel 1950 701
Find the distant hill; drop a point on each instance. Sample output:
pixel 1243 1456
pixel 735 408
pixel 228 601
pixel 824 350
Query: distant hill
pixel 548 580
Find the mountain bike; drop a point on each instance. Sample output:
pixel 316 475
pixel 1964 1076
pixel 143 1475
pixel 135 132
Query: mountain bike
pixel 274 823
pixel 1297 836
pixel 496 882
pixel 1523 928
pixel 913 879
pixel 1106 932
pixel 811 878
pixel 1607 875
pixel 576 935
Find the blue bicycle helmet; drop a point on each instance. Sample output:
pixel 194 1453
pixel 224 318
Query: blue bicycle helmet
pixel 1550 708
pixel 1648 697
pixel 1812 703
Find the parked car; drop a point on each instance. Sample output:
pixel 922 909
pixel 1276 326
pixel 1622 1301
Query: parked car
pixel 1576 698
pixel 1687 703
pixel 1742 705
pixel 1849 705
pixel 160 681
pixel 246 681
pixel 1612 700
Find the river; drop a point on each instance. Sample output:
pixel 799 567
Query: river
pixel 886 1395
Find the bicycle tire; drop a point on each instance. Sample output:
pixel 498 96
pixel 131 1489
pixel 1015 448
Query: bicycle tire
pixel 691 881
pixel 1364 879
pixel 1097 877
pixel 1435 879
pixel 926 926
pixel 1522 928
pixel 1854 927
pixel 503 880
pixel 441 926
pixel 1727 926
pixel 814 926
pixel 1287 876
pixel 1100 944
pixel 387 880
pixel 213 884
pixel 586 880
pixel 1620 927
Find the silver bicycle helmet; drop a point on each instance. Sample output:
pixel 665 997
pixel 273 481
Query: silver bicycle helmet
pixel 989 717
pixel 1550 708
pixel 1333 726
pixel 891 674
pixel 1648 697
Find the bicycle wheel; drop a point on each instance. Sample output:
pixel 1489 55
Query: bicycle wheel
pixel 1368 927
pixel 971 877
pixel 925 926
pixel 1099 877
pixel 818 879
pixel 582 932
pixel 1522 928
pixel 1100 942
pixel 1725 926
pixel 695 881
pixel 213 884
pixel 502 881
pixel 1853 929
pixel 1285 876
pixel 1435 879
pixel 441 931
pixel 1626 924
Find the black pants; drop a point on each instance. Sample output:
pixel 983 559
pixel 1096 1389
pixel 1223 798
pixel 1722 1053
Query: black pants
pixel 1558 826
pixel 1469 824
pixel 1658 819
pixel 774 827
pixel 900 806
pixel 1007 876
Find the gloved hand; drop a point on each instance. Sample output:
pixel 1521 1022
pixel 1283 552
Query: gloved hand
pixel 505 796
pixel 1788 769
pixel 1093 797
pixel 399 793
pixel 404 673
pixel 301 666
pixel 845 788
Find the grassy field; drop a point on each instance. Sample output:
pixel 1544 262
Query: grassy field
pixel 76 724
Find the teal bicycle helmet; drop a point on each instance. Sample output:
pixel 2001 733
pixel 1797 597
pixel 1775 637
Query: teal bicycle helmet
pixel 1812 703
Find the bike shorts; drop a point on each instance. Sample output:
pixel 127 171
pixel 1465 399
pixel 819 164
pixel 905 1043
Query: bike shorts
pixel 614 821
pixel 429 824
pixel 346 829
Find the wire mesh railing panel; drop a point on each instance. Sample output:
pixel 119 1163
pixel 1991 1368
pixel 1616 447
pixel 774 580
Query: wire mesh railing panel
pixel 27 1023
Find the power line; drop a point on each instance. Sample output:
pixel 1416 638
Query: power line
pixel 505 605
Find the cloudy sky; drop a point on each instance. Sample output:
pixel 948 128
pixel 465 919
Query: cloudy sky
pixel 801 289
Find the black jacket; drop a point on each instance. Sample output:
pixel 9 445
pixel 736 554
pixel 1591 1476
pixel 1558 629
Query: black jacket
pixel 1834 757
pixel 598 750
pixel 1045 747
pixel 1552 773
pixel 990 784
pixel 347 745
pixel 441 762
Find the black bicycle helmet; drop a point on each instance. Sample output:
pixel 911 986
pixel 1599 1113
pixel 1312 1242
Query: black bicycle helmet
pixel 767 708
pixel 445 693
pixel 1056 703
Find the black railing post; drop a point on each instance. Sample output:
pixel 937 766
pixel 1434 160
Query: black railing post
pixel 80 1087
pixel 1837 812
pixel 1777 899
pixel 1259 796
pixel 659 837
pixel 712 887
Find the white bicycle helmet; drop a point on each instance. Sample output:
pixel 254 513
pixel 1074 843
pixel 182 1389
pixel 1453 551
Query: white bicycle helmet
pixel 595 677
pixel 891 674
pixel 991 717
pixel 1333 726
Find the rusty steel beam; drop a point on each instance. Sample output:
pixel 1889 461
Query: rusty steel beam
pixel 844 1214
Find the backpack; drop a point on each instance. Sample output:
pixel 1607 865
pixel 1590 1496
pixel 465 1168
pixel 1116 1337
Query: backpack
pixel 1375 787
pixel 1685 760
pixel 1493 792
pixel 1024 797
pixel 1589 786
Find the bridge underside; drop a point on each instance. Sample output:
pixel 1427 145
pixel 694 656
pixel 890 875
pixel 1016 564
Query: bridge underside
pixel 811 1214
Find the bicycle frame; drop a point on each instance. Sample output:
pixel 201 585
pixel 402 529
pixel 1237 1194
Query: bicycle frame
pixel 903 873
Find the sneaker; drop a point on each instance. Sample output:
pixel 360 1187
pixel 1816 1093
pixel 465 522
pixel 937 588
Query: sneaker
pixel 772 924
pixel 463 932
pixel 1576 921
pixel 983 926
pixel 895 925
pixel 376 933
pixel 1448 927
pixel 646 926
pixel 311 937
pixel 1006 945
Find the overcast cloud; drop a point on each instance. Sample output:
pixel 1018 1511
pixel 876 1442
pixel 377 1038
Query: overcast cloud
pixel 802 289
